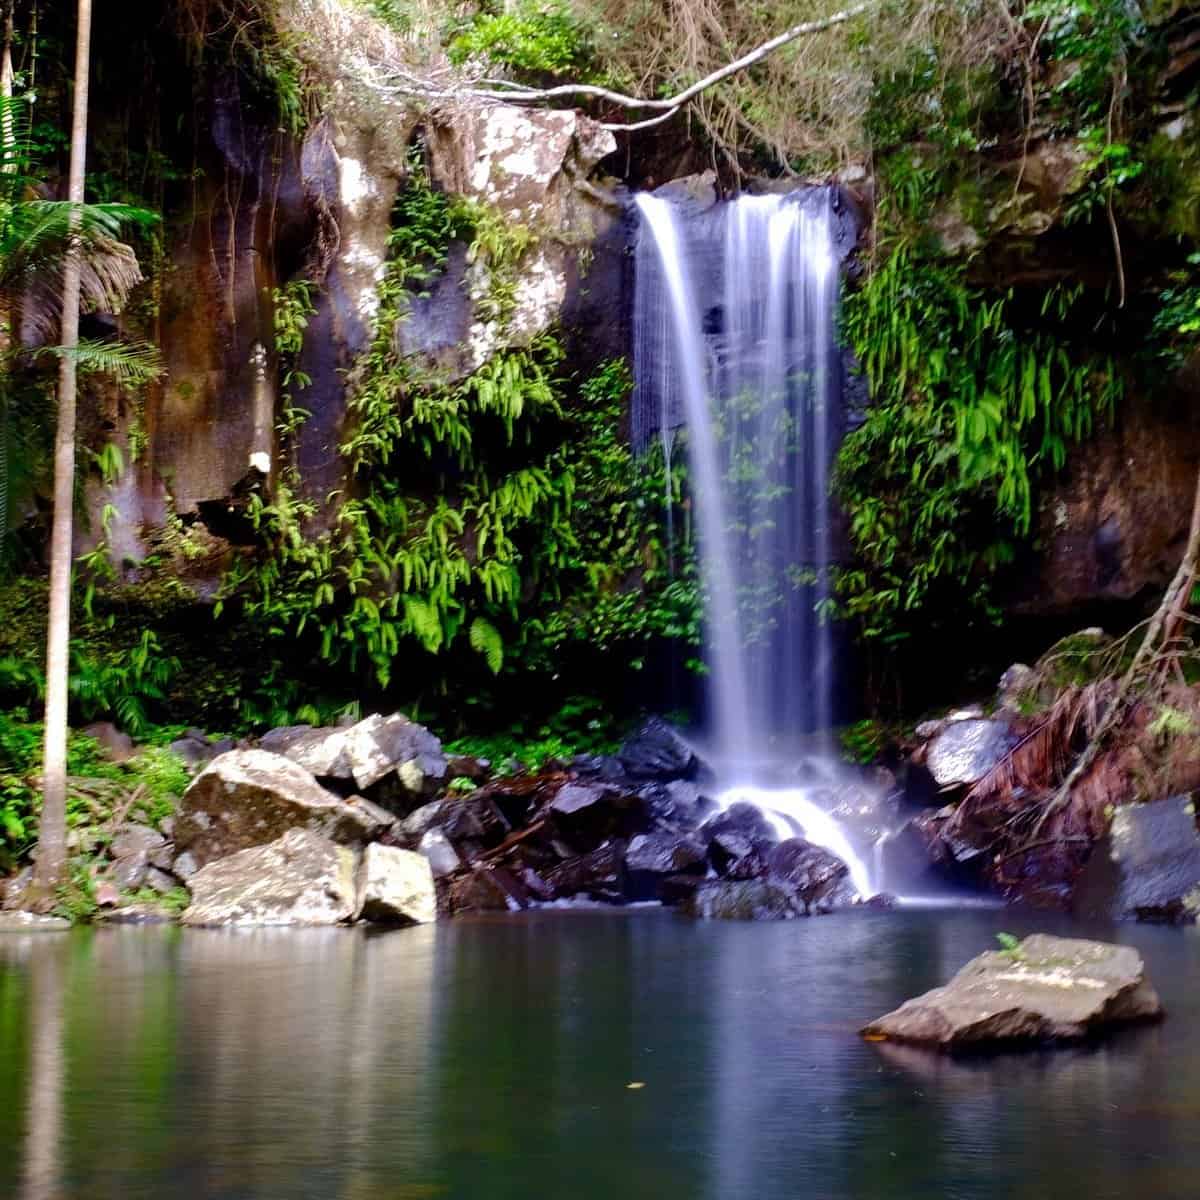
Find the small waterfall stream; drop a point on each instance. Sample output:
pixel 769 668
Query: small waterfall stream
pixel 734 326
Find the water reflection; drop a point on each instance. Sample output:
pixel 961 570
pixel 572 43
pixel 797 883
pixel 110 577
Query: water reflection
pixel 492 1059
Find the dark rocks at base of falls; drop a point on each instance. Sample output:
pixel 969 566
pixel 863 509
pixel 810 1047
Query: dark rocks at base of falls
pixel 1045 989
pixel 320 826
pixel 636 827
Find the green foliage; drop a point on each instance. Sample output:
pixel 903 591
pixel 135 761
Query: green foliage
pixel 96 785
pixel 532 37
pixel 581 726
pixel 970 407
pixel 1176 327
pixel 1171 723
pixel 864 741
pixel 76 898
pixel 1010 945
pixel 1092 38
pixel 462 526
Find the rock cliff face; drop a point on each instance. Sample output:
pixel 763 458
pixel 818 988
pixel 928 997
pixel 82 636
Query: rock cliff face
pixel 267 207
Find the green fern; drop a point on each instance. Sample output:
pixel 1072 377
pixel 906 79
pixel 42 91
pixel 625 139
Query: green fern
pixel 486 640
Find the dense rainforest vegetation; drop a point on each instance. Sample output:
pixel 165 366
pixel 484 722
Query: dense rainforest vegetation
pixel 471 536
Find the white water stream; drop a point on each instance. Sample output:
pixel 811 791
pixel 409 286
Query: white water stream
pixel 734 326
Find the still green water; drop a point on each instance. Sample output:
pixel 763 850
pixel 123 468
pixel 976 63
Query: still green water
pixel 491 1059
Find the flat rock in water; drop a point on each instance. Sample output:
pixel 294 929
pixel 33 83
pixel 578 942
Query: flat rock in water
pixel 967 750
pixel 300 879
pixel 396 887
pixel 248 798
pixel 1046 989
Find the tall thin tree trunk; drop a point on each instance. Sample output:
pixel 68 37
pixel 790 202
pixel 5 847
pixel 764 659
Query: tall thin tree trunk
pixel 52 839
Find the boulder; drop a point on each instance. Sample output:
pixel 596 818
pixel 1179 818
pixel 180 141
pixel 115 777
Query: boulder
pixel 159 881
pixel 1045 989
pixel 399 755
pixel 575 797
pixel 136 840
pixel 599 874
pixel 743 900
pixel 117 746
pixel 657 752
pixel 248 798
pixel 396 887
pixel 301 878
pixel 652 858
pixel 1147 867
pixel 479 889
pixel 964 751
pixel 466 819
pixel 185 866
pixel 810 871
pixel 128 874
pixel 197 751
pixel 677 805
pixel 665 853
pixel 442 857
pixel 739 840
pixel 1018 683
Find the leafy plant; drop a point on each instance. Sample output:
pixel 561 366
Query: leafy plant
pixel 1010 945
pixel 970 407
pixel 533 37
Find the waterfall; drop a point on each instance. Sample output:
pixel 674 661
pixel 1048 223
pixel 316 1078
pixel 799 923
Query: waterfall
pixel 752 377
pixel 734 341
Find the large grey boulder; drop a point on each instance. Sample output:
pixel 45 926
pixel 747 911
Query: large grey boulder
pixel 301 878
pixel 1148 867
pixel 250 797
pixel 392 751
pixel 965 751
pixel 396 887
pixel 1045 989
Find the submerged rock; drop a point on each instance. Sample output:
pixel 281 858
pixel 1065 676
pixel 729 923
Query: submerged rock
pixel 251 797
pixel 300 879
pixel 743 900
pixel 964 751
pixel 396 887
pixel 1147 867
pixel 1046 989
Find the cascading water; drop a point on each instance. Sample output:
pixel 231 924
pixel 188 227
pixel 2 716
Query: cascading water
pixel 734 326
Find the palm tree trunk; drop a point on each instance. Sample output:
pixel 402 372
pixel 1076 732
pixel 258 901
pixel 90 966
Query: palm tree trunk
pixel 52 837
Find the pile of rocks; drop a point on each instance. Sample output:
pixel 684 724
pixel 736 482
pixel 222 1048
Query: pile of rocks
pixel 370 821
pixel 640 826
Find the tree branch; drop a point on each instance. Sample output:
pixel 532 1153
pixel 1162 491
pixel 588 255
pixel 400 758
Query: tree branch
pixel 516 93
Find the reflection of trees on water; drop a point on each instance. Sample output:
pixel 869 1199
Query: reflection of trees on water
pixel 44 1107
pixel 264 1064
pixel 490 1059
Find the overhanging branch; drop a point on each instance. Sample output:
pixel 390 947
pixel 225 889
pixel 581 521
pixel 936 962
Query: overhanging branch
pixel 406 83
